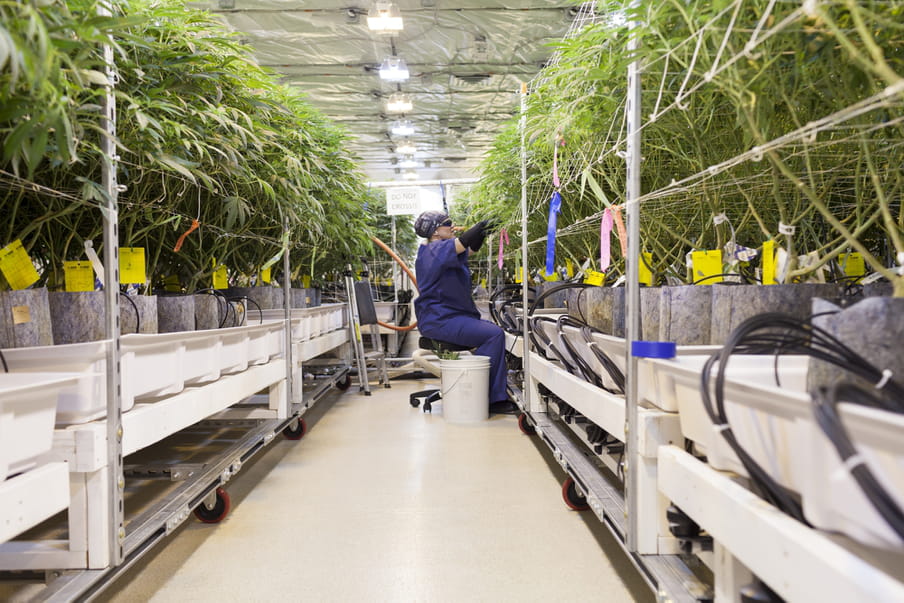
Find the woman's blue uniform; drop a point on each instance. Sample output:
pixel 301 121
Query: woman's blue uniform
pixel 446 311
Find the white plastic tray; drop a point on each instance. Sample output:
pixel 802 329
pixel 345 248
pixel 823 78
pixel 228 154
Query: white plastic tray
pixel 832 499
pixel 764 422
pixel 28 404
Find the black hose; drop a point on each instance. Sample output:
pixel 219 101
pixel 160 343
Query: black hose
pixel 137 315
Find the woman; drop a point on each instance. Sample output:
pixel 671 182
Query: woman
pixel 445 308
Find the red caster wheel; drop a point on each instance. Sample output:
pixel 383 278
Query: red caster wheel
pixel 573 498
pixel 218 512
pixel 298 432
pixel 525 425
pixel 345 383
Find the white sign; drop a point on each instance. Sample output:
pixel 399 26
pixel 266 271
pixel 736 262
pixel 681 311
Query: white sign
pixel 403 201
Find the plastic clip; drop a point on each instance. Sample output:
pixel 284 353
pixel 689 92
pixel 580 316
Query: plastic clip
pixel 723 427
pixel 886 377
pixel 786 229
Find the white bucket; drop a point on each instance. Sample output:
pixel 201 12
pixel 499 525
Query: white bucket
pixel 465 389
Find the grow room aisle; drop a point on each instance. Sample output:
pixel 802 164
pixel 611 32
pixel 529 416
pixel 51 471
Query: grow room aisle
pixel 381 502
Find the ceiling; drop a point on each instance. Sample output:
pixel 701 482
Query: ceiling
pixel 466 58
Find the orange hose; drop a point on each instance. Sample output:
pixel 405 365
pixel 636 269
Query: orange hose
pixel 404 267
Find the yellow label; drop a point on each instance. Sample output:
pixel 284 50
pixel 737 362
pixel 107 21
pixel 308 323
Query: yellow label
pixel 220 277
pixel 550 278
pixel 592 277
pixel 852 264
pixel 306 281
pixel 131 266
pixel 707 264
pixel 644 274
pixel 483 283
pixel 79 276
pixel 769 263
pixel 17 266
pixel 172 284
pixel 569 269
pixel 265 275
pixel 519 275
pixel 21 315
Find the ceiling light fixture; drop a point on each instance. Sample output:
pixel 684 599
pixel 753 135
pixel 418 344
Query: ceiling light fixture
pixel 398 103
pixel 408 162
pixel 384 18
pixel 406 147
pixel 409 175
pixel 402 128
pixel 394 69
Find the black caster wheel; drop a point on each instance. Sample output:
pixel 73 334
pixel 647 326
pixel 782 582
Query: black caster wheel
pixel 525 426
pixel 298 432
pixel 345 383
pixel 574 499
pixel 219 510
pixel 415 402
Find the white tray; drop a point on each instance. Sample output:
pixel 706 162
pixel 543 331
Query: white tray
pixel 765 423
pixel 28 405
pixel 832 499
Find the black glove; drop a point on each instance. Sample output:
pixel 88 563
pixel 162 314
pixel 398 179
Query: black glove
pixel 473 237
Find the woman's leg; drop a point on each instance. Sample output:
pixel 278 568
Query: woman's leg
pixel 489 340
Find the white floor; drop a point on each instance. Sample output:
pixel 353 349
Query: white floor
pixel 381 502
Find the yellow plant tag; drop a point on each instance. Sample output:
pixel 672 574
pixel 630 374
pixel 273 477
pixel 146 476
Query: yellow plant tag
pixel 519 275
pixel 569 268
pixel 707 264
pixel 592 277
pixel 644 274
pixel 172 284
pixel 483 283
pixel 551 278
pixel 852 264
pixel 769 263
pixel 17 266
pixel 220 278
pixel 79 276
pixel 265 275
pixel 306 281
pixel 131 266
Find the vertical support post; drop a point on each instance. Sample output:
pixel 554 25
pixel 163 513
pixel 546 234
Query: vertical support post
pixel 632 305
pixel 395 273
pixel 285 408
pixel 525 327
pixel 115 478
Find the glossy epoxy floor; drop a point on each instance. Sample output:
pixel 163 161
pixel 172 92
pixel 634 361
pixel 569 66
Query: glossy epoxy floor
pixel 381 502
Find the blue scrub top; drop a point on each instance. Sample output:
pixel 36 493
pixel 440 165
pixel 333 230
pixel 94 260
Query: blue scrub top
pixel 444 281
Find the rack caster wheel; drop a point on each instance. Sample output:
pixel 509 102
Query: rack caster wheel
pixel 298 432
pixel 415 402
pixel 218 512
pixel 574 499
pixel 345 383
pixel 525 426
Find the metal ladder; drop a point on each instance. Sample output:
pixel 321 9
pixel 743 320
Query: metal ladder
pixel 354 324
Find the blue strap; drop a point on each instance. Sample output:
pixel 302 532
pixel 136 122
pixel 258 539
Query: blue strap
pixel 555 204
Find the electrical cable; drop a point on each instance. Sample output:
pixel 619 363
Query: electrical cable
pixel 135 306
pixel 825 409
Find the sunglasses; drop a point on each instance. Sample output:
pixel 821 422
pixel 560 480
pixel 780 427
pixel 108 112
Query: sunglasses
pixel 446 222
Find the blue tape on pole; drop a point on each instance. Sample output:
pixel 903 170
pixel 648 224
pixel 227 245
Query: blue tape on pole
pixel 653 349
pixel 555 204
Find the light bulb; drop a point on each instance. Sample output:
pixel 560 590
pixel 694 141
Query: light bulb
pixel 402 128
pixel 398 103
pixel 394 69
pixel 384 18
pixel 406 147
pixel 410 175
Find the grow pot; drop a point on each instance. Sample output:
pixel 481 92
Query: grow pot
pixel 733 304
pixel 79 316
pixel 685 314
pixel 602 308
pixel 207 311
pixel 25 318
pixel 872 327
pixel 175 313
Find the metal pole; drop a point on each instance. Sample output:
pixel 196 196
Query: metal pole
pixel 632 324
pixel 287 304
pixel 525 332
pixel 116 480
pixel 395 272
